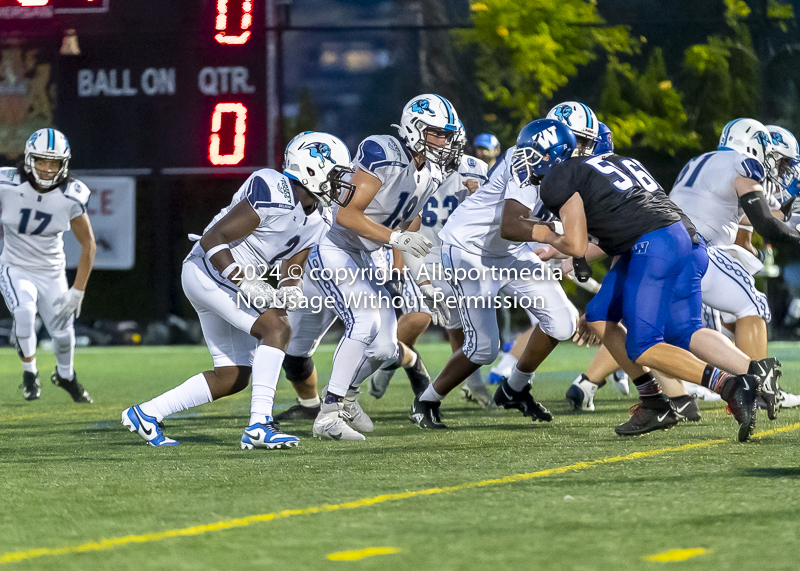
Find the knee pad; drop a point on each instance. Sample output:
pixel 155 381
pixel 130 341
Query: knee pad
pixel 63 341
pixel 298 369
pixel 25 321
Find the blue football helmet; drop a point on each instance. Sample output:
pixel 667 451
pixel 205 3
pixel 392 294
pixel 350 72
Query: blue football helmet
pixel 487 141
pixel 541 145
pixel 605 140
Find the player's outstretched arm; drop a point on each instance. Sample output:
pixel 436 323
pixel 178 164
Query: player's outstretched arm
pixel 82 229
pixel 755 206
pixel 239 222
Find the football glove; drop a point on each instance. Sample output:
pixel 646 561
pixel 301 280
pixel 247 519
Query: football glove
pixel 260 293
pixel 412 242
pixel 434 299
pixel 67 305
pixel 289 298
pixel 395 285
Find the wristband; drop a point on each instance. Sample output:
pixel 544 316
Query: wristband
pixel 748 228
pixel 215 249
pixel 229 270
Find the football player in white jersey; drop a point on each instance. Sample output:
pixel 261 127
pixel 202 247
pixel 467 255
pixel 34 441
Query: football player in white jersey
pixel 463 176
pixel 273 216
pixel 482 238
pixel 393 180
pixel 39 202
pixel 716 190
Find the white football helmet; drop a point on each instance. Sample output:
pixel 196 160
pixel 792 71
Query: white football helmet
pixel 429 113
pixel 746 136
pixel 320 162
pixel 783 161
pixel 47 144
pixel 583 122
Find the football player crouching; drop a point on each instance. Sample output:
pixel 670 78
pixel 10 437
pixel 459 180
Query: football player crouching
pixel 273 216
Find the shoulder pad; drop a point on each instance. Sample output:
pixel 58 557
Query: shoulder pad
pixel 9 175
pixel 267 188
pixel 472 166
pixel 380 151
pixel 78 191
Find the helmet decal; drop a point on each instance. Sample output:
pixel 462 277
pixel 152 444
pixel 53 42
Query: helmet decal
pixel 563 112
pixel 319 151
pixel 421 106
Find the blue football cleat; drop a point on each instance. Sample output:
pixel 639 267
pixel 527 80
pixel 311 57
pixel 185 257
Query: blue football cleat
pixel 494 379
pixel 267 435
pixel 147 427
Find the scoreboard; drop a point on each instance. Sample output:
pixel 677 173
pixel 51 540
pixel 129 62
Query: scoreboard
pixel 181 85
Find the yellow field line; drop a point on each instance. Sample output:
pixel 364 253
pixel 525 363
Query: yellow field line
pixel 106 544
pixel 111 543
pixel 362 553
pixel 678 555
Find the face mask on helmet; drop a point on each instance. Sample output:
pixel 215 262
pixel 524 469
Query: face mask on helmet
pixel 429 127
pixel 583 123
pixel 783 160
pixel 459 143
pixel 541 145
pixel 320 163
pixel 47 155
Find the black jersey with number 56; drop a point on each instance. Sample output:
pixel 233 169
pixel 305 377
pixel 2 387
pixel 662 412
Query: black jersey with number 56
pixel 622 201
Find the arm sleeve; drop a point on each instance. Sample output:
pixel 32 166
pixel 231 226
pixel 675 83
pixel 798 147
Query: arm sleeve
pixel 773 230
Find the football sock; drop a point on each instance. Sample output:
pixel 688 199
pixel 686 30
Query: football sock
pixel 30 367
pixel 714 379
pixel 504 367
pixel 430 395
pixel 267 362
pixel 64 348
pixel 193 392
pixel 474 380
pixel 310 403
pixel 349 358
pixel 647 386
pixel 519 380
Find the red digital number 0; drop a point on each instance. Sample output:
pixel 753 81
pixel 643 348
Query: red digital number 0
pixel 221 23
pixel 239 130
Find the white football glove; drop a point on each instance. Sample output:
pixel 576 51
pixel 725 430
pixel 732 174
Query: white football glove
pixel 434 299
pixel 412 242
pixel 260 294
pixel 67 305
pixel 289 298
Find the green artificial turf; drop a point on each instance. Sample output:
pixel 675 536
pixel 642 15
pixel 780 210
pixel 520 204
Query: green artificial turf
pixel 72 474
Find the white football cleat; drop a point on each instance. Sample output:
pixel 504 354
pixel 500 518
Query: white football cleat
pixel 379 382
pixel 580 394
pixel 619 380
pixel 267 434
pixel 330 425
pixel 354 414
pixel 475 391
pixel 146 426
pixel 789 400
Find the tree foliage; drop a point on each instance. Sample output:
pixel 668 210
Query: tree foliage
pixel 525 50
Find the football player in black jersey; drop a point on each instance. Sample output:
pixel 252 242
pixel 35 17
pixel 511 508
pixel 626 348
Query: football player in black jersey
pixel 654 288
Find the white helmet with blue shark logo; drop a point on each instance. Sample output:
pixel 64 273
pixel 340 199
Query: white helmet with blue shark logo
pixel 582 121
pixel 783 160
pixel 320 162
pixel 430 114
pixel 746 136
pixel 47 144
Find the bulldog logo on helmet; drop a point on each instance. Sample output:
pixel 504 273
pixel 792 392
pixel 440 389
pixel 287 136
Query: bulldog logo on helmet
pixel 320 151
pixel 421 106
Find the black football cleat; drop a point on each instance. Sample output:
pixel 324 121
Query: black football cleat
pixel 769 373
pixel 522 400
pixel 649 414
pixel 31 386
pixel 740 393
pixel 686 408
pixel 73 387
pixel 418 375
pixel 425 414
pixel 298 412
